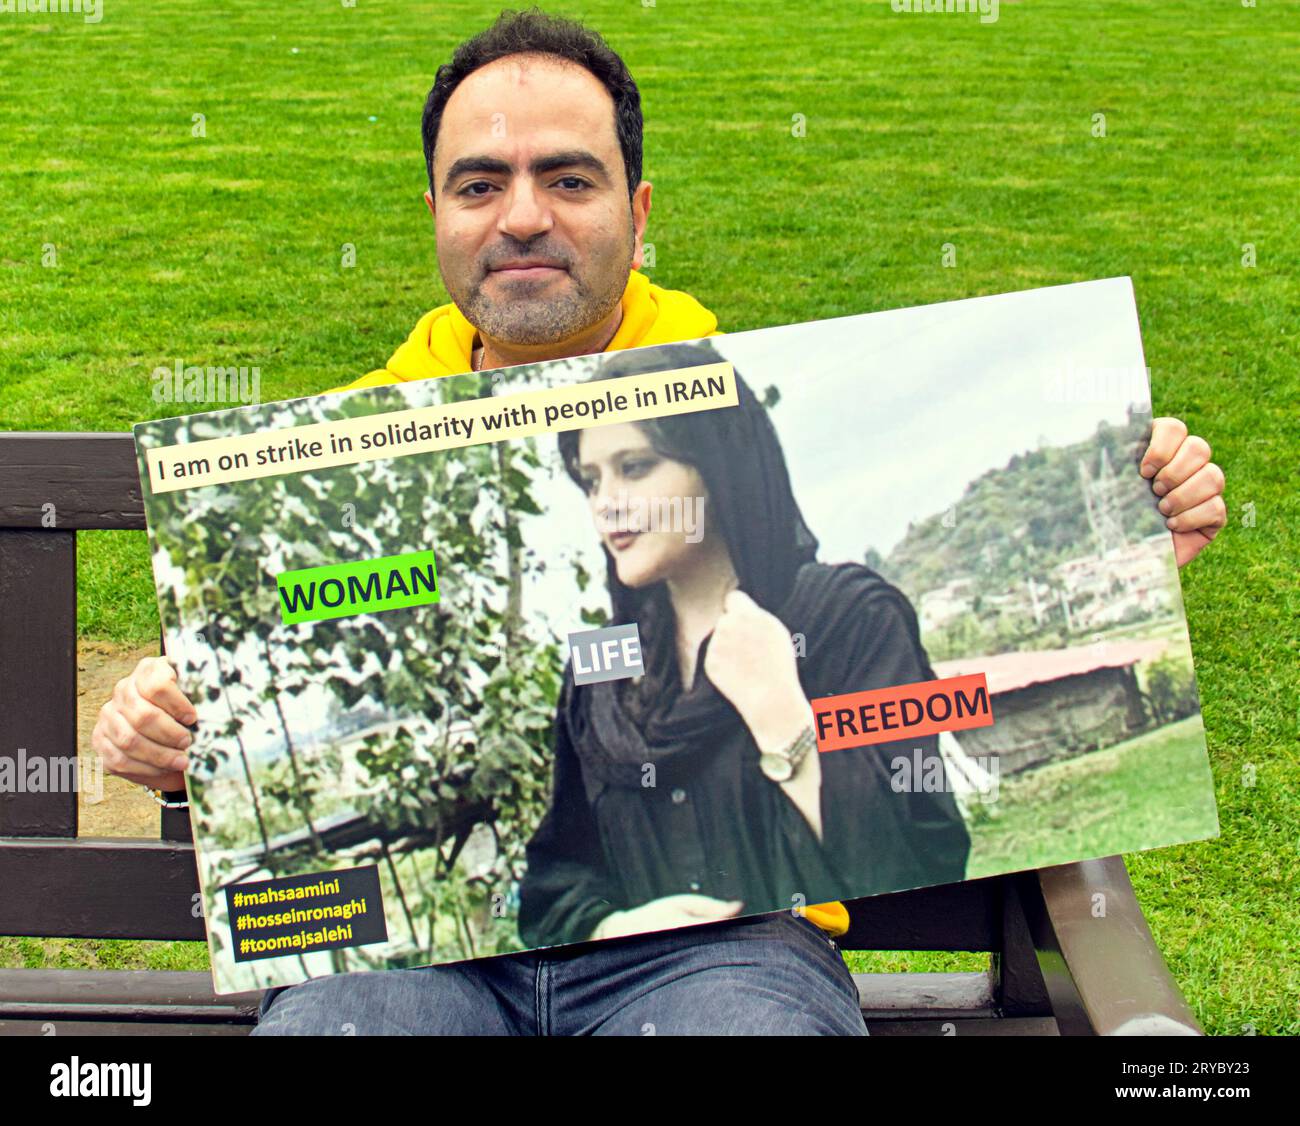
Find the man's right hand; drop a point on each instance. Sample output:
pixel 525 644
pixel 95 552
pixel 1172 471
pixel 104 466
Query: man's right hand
pixel 140 733
pixel 666 913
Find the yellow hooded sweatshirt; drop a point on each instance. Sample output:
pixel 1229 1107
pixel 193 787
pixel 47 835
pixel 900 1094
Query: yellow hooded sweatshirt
pixel 442 343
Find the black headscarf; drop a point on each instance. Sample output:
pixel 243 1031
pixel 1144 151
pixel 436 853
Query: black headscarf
pixel 617 727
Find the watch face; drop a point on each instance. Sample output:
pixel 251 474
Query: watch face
pixel 776 768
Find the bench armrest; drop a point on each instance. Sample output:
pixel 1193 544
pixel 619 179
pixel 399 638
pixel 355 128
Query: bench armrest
pixel 1103 971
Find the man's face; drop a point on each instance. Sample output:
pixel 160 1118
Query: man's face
pixel 528 168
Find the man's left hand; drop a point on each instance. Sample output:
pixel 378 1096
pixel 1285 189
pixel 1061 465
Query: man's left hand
pixel 1189 484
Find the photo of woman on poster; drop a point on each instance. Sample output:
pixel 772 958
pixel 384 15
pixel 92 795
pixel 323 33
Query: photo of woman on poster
pixel 695 792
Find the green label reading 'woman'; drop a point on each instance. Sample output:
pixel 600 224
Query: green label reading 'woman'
pixel 340 590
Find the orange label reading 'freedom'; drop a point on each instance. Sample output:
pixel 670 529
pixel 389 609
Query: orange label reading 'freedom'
pixel 902 711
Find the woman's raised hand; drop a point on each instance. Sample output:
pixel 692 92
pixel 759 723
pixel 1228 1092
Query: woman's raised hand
pixel 750 660
pixel 750 656
pixel 666 913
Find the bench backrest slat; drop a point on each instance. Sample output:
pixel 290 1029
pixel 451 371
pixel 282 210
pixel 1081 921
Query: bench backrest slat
pixel 38 681
pixel 90 479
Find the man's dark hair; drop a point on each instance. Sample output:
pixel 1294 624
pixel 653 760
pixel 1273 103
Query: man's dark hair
pixel 516 33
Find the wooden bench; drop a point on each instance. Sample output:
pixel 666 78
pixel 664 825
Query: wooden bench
pixel 1054 968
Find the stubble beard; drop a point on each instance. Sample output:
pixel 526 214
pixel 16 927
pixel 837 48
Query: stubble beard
pixel 534 319
pixel 529 319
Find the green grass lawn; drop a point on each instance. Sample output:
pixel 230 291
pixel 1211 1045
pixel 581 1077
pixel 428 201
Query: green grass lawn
pixel 1148 789
pixel 920 130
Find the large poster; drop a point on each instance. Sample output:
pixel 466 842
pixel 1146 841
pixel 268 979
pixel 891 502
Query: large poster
pixel 628 641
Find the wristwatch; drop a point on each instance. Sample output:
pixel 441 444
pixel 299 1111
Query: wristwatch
pixel 782 765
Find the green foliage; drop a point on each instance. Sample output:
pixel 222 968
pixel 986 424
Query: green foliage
pixel 984 537
pixel 467 729
pixel 1171 689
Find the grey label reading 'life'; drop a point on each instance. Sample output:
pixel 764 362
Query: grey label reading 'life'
pixel 612 653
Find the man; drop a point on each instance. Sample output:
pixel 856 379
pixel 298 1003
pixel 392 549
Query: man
pixel 532 138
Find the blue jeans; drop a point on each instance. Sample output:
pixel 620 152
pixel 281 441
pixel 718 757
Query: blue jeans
pixel 767 975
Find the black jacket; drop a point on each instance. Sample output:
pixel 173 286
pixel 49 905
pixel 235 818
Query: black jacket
pixel 712 823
